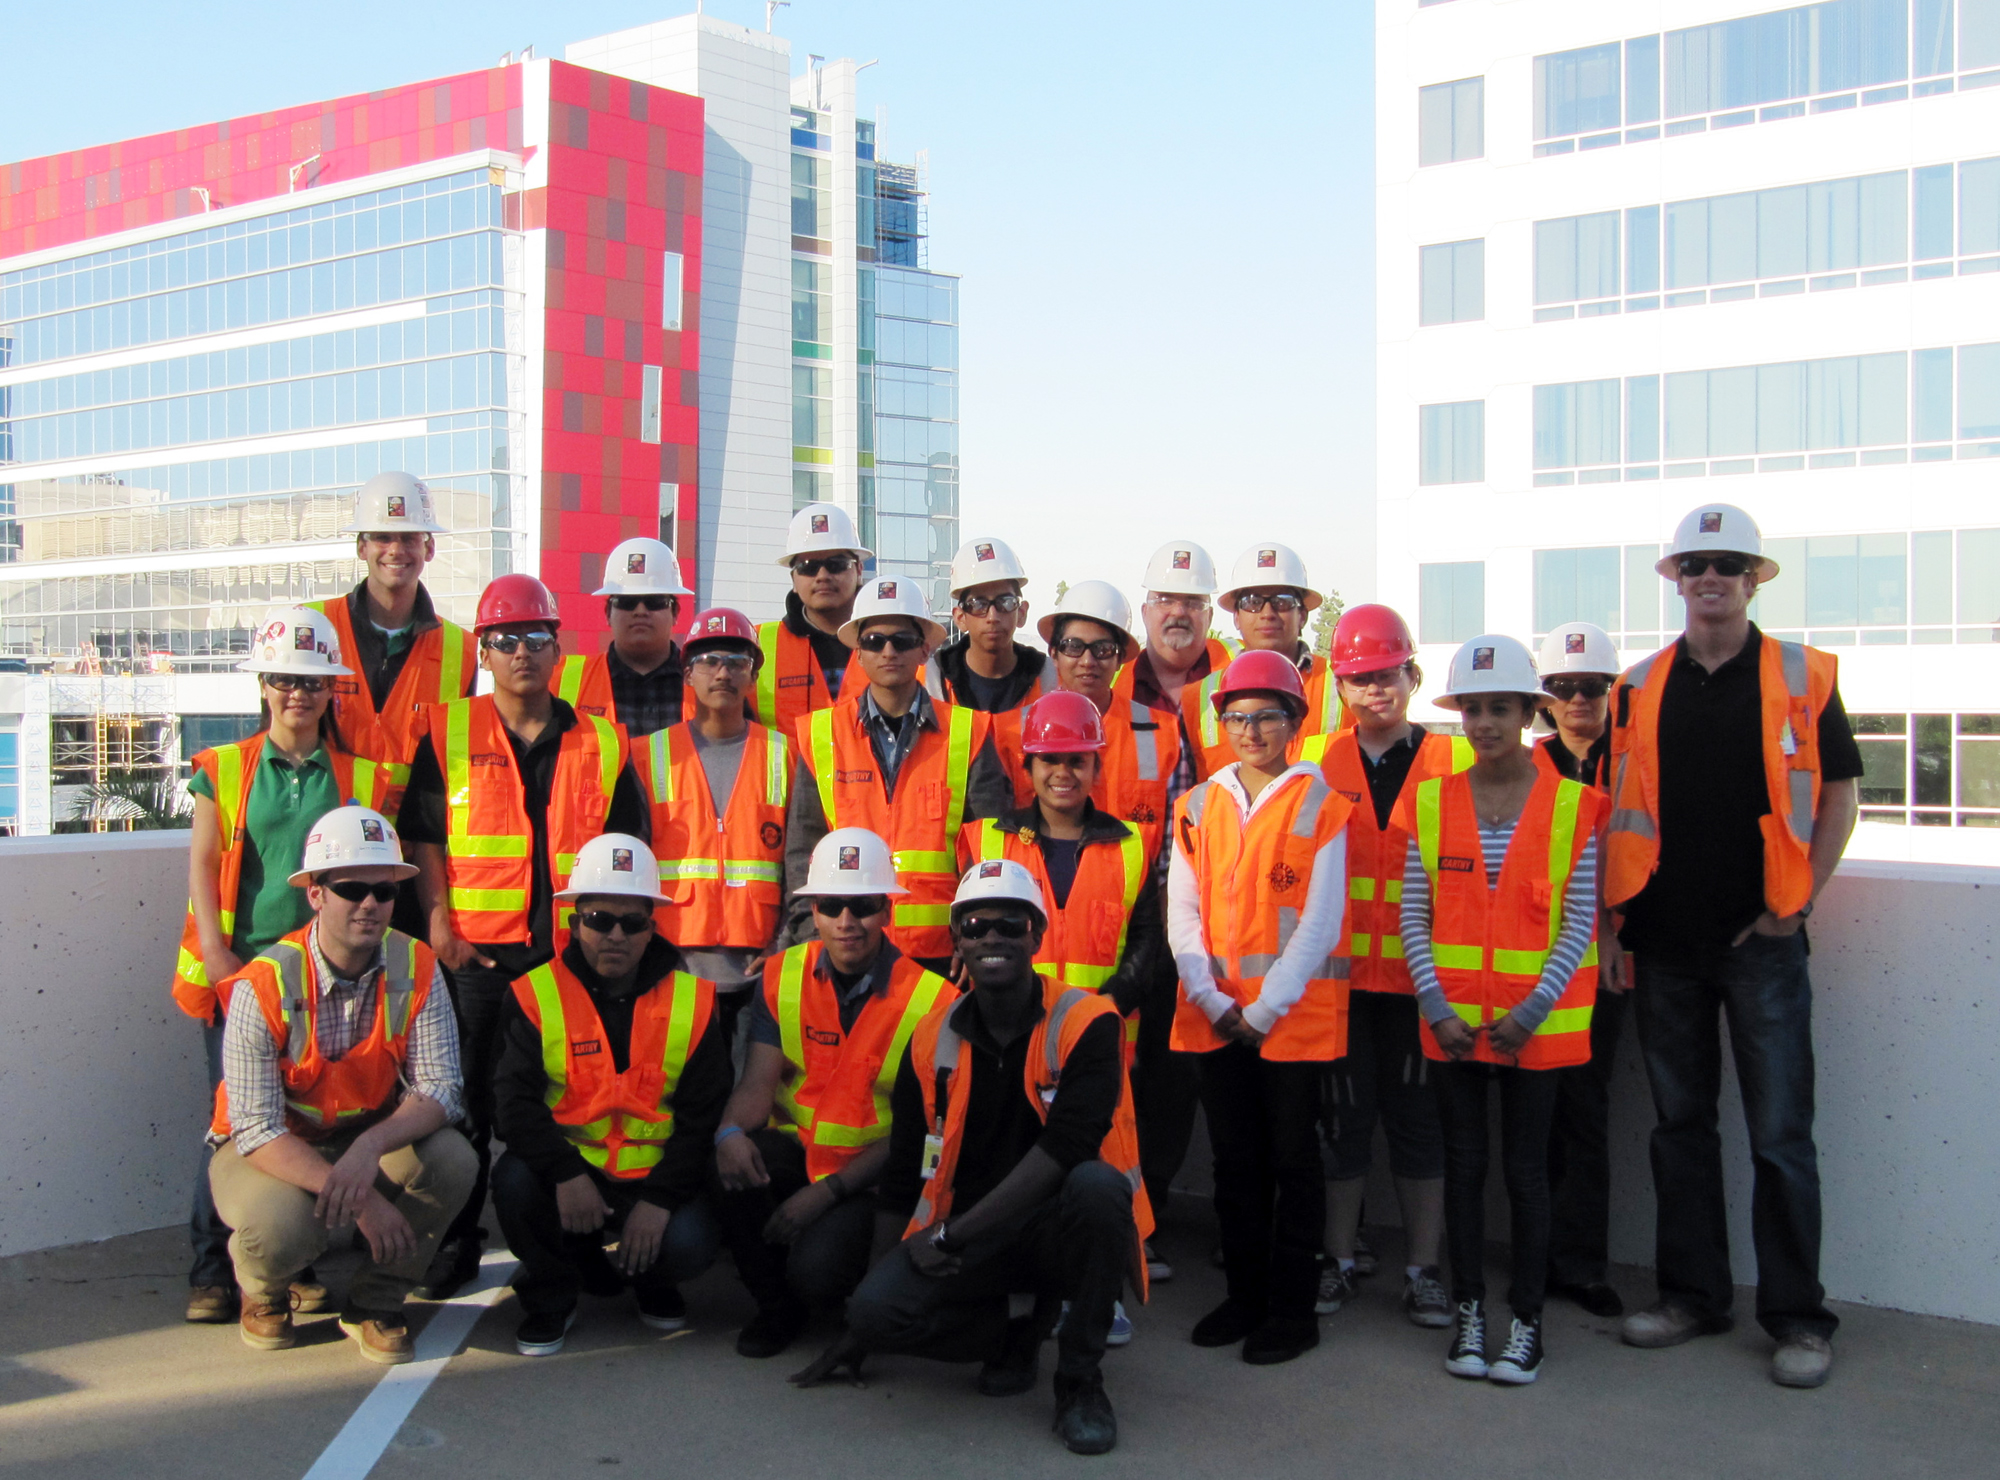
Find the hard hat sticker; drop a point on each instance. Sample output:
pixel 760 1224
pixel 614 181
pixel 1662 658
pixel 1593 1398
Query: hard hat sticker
pixel 850 858
pixel 1482 659
pixel 1711 521
pixel 716 624
pixel 1267 560
pixel 1572 642
pixel 371 830
pixel 302 639
pixel 621 860
pixel 635 565
pixel 991 870
pixel 819 524
pixel 885 590
pixel 396 506
pixel 1182 559
pixel 982 552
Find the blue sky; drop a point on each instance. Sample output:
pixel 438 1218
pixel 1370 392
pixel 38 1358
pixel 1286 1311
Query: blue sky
pixel 1163 214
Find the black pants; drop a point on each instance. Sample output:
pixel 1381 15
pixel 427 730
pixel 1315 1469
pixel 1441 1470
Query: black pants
pixel 1580 1154
pixel 477 996
pixel 829 1257
pixel 1164 1096
pixel 208 1235
pixel 1527 1105
pixel 1384 1076
pixel 1270 1187
pixel 1076 1246
pixel 557 1266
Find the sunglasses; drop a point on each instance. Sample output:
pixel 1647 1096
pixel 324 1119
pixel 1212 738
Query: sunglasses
pixel 833 565
pixel 861 906
pixel 1722 565
pixel 1006 603
pixel 1169 603
pixel 1570 688
pixel 508 643
pixel 723 662
pixel 1255 719
pixel 1256 601
pixel 354 891
pixel 603 922
pixel 1008 927
pixel 902 642
pixel 294 683
pixel 634 603
pixel 1104 649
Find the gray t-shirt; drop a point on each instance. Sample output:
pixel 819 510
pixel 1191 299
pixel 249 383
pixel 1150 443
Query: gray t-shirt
pixel 720 761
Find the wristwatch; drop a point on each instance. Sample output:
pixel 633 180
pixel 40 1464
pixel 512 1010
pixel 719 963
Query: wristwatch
pixel 940 1239
pixel 1806 912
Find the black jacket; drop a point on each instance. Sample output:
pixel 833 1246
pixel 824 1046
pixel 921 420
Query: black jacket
pixel 944 675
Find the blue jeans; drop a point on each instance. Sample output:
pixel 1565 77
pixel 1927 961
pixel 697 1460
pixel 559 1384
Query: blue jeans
pixel 1763 988
pixel 208 1235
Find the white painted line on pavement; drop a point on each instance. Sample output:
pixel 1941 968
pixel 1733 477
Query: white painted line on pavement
pixel 361 1440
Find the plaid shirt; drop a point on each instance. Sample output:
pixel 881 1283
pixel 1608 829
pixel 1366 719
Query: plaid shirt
pixel 894 737
pixel 343 1016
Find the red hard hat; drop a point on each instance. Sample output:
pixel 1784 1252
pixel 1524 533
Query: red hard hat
pixel 1370 638
pixel 720 625
pixel 515 598
pixel 1262 672
pixel 1061 723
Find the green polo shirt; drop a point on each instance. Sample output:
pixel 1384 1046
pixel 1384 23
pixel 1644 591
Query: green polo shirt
pixel 285 801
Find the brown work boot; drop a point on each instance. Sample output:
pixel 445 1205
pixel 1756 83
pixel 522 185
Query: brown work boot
pixel 266 1326
pixel 383 1335
pixel 212 1305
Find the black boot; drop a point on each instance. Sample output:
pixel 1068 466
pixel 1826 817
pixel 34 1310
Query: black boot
pixel 455 1267
pixel 1014 1368
pixel 772 1329
pixel 1083 1415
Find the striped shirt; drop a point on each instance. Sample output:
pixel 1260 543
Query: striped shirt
pixel 343 1016
pixel 1579 915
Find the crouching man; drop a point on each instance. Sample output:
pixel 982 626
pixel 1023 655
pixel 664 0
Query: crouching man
pixel 1013 1167
pixel 340 1080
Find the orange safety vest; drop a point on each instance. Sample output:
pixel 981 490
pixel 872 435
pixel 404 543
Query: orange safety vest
pixel 1254 875
pixel 1085 939
pixel 1066 1012
pixel 487 870
pixel 1796 683
pixel 323 1097
pixel 442 665
pixel 1489 945
pixel 1141 748
pixel 920 823
pixel 789 682
pixel 585 685
pixel 836 1092
pixel 619 1123
pixel 231 769
pixel 1325 717
pixel 1198 722
pixel 1376 856
pixel 725 874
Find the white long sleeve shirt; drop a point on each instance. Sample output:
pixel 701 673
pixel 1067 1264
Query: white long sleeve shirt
pixel 1320 918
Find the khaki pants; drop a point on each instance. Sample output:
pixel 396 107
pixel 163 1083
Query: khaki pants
pixel 277 1234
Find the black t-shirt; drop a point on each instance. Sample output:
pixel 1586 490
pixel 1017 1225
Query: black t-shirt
pixel 1710 881
pixel 829 652
pixel 1060 857
pixel 1593 769
pixel 1387 775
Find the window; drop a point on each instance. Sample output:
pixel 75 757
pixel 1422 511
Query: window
pixel 201 732
pixel 1577 92
pixel 1884 589
pixel 1451 121
pixel 673 289
pixel 1852 401
pixel 10 781
pixel 1451 601
pixel 670 501
pixel 1453 278
pixel 1930 770
pixel 649 403
pixel 1827 226
pixel 812 216
pixel 1576 257
pixel 1577 425
pixel 812 410
pixel 1577 586
pixel 1782 54
pixel 1451 442
pixel 812 317
pixel 1978 34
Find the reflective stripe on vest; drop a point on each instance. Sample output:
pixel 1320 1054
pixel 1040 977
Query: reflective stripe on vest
pixel 1259 963
pixel 1145 743
pixel 1792 656
pixel 298 1009
pixel 451 662
pixel 1132 862
pixel 826 1132
pixel 1631 819
pixel 777 791
pixel 607 783
pixel 767 673
pixel 569 678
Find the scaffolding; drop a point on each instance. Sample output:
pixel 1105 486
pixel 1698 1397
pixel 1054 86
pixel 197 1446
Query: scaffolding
pixel 902 219
pixel 105 728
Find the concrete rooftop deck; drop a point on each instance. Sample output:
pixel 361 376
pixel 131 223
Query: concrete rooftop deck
pixel 100 1377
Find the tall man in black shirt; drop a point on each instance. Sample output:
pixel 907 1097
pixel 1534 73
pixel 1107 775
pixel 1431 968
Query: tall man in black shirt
pixel 990 1188
pixel 1733 794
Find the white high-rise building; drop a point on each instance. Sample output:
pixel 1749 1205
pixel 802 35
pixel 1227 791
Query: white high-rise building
pixel 1634 258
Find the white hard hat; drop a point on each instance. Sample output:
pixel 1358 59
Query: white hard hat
pixel 295 639
pixel 1721 529
pixel 1100 602
pixel 351 837
pixel 394 503
pixel 993 879
pixel 641 567
pixel 890 596
pixel 851 861
pixel 821 529
pixel 1267 564
pixel 980 561
pixel 1492 663
pixel 1181 567
pixel 614 863
pixel 1578 647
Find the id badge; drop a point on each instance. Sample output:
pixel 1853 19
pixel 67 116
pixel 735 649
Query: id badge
pixel 933 1156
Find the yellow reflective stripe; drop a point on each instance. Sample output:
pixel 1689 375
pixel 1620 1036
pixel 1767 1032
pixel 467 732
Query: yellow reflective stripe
pixel 777 770
pixel 674 869
pixel 1132 854
pixel 957 774
pixel 229 789
pixel 1210 725
pixel 660 754
pixel 1360 946
pixel 923 997
pixel 749 870
pixel 1392 891
pixel 1519 963
pixel 490 845
pixel 491 901
pixel 555 1032
pixel 992 841
pixel 1090 978
pixel 1456 958
pixel 607 755
pixel 819 731
pixel 565 862
pixel 1589 955
pixel 458 770
pixel 569 678
pixel 1429 795
pixel 827 1133
pixel 1469 1012
pixel 767 674
pixel 1566 1020
pixel 923 861
pixel 189 968
pixel 1329 703
pixel 1462 754
pixel 680 1037
pixel 1392 948
pixel 1562 839
pixel 451 661
pixel 1362 889
pixel 1313 751
pixel 923 914
pixel 791 991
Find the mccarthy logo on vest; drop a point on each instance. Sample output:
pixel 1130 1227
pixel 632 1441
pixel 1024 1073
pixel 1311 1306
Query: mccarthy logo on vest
pixel 1455 865
pixel 586 1046
pixel 822 1036
pixel 853 778
pixel 487 758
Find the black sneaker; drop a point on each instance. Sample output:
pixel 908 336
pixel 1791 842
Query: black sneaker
pixel 663 1309
pixel 1424 1300
pixel 1365 1262
pixel 1226 1325
pixel 1336 1287
pixel 1520 1361
pixel 771 1331
pixel 1013 1371
pixel 543 1335
pixel 1596 1297
pixel 1280 1339
pixel 1083 1415
pixel 1468 1348
pixel 455 1267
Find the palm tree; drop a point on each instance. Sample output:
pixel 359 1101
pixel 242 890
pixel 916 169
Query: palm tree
pixel 131 802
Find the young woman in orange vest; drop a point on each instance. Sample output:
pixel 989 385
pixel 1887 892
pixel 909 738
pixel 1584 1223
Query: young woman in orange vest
pixel 807 1131
pixel 718 786
pixel 612 1076
pixel 1499 926
pixel 806 665
pixel 1255 905
pixel 254 802
pixel 505 790
pixel 638 681
pixel 1384 1074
